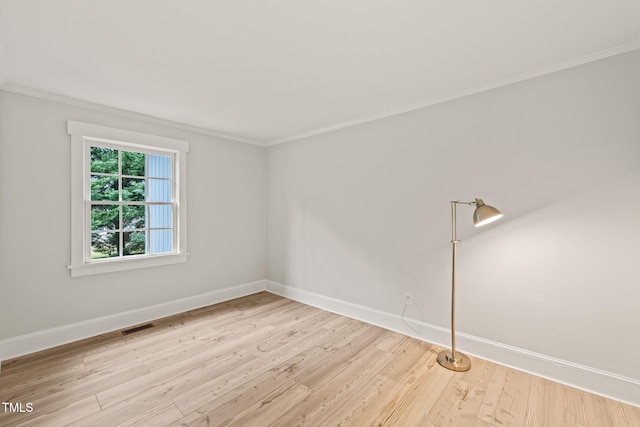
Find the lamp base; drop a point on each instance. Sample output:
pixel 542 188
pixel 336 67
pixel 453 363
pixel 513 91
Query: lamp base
pixel 460 364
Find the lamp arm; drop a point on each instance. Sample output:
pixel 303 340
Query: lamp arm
pixel 454 219
pixel 458 202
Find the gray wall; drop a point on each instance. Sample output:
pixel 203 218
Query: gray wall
pixel 226 211
pixel 362 214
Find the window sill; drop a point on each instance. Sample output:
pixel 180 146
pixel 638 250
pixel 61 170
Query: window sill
pixel 125 264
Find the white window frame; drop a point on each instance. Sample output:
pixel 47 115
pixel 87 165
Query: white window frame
pixel 82 137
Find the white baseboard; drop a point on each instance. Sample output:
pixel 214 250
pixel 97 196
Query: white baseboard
pixel 49 338
pixel 597 381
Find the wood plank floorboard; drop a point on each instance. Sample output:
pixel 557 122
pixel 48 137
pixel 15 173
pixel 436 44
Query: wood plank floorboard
pixel 264 360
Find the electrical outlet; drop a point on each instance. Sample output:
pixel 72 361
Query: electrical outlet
pixel 408 298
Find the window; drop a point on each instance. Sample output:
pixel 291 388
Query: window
pixel 128 199
pixel 131 205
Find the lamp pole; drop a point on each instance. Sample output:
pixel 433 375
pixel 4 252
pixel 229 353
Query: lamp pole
pixel 454 246
pixel 453 360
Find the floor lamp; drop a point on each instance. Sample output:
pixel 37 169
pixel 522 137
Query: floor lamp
pixel 484 214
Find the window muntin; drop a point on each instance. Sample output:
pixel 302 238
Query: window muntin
pixel 131 202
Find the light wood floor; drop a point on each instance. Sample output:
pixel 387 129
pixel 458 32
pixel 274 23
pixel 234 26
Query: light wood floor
pixel 264 360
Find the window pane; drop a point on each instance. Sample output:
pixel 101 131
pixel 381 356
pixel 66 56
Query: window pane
pixel 134 242
pixel 133 216
pixel 104 245
pixel 104 160
pixel 133 190
pixel 105 217
pixel 104 187
pixel 160 241
pixel 160 216
pixel 159 190
pixel 132 163
pixel 159 166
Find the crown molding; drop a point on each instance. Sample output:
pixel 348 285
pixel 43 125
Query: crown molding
pixel 75 102
pixel 581 60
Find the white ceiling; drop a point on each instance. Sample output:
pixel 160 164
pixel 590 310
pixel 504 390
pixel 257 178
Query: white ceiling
pixel 269 71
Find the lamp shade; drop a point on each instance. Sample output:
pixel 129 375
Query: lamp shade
pixel 484 214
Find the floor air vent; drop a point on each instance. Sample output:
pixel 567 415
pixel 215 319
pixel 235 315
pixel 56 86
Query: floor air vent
pixel 137 328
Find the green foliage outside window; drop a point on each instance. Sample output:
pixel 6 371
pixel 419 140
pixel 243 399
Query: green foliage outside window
pixel 106 175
